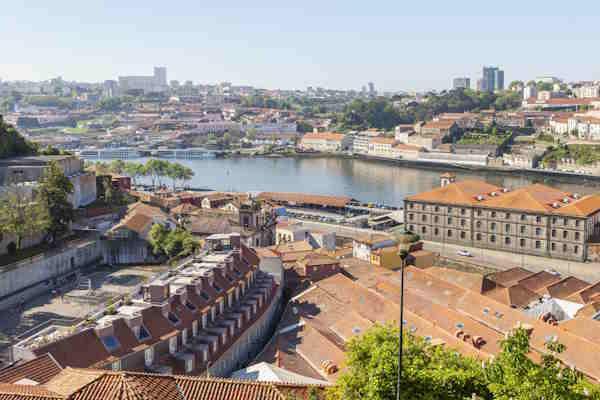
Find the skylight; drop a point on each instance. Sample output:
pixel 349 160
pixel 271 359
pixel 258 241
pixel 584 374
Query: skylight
pixel 110 342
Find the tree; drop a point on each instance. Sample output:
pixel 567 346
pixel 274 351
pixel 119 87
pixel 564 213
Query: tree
pixel 134 170
pixel 117 166
pixel 54 190
pixel 429 372
pixel 12 144
pixel 172 243
pixel 513 375
pixel 22 215
pixel 157 237
pixel 433 372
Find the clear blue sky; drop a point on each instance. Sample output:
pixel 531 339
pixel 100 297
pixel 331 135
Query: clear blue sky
pixel 397 44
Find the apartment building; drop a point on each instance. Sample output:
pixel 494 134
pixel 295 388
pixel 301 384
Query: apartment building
pixel 534 219
pixel 209 315
pixel 381 147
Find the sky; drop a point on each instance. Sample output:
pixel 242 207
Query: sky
pixel 397 44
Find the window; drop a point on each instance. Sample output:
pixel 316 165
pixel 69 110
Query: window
pixel 577 222
pixel 493 214
pixel 478 224
pixel 554 220
pixel 449 233
pixel 449 210
pixel 479 212
pixel 553 246
pixel 195 328
pixel 449 220
pixel 507 241
pixel 173 345
pixel 577 234
pixel 565 234
pixel 523 228
pixel 116 366
pixel 523 217
pixel 436 219
pixel 423 230
pixel 436 209
pixel 493 226
pixel 411 228
pixel 204 296
pixel 553 233
pixel 173 318
pixel 149 356
pixel 184 336
pixel 111 343
pixel 423 217
pixel 493 238
pixel 564 248
pixel 576 249
pixel 436 231
pixel 538 244
pixel 538 231
pixel 463 211
pixel 507 215
pixel 189 365
pixel 411 205
pixel 190 306
pixel 217 288
pixel 143 333
pixel 478 237
pixel 463 235
pixel 522 242
pixel 538 219
pixel 565 221
pixel 507 228
pixel 463 222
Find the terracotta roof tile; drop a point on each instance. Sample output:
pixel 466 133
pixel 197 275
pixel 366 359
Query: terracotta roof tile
pixel 301 198
pixel 41 369
pixel 463 192
pixel 565 288
pixel 26 392
pixel 62 350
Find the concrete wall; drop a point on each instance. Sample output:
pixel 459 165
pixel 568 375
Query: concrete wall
pixel 29 278
pixel 84 189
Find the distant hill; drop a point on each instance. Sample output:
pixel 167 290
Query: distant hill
pixel 12 144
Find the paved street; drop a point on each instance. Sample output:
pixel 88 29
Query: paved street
pixel 503 260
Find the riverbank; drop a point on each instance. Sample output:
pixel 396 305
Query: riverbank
pixel 530 173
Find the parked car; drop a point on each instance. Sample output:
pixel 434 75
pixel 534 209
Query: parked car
pixel 464 253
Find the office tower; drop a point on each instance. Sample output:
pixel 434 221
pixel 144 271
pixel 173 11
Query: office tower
pixel 372 91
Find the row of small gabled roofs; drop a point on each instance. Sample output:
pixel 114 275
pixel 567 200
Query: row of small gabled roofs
pixel 88 384
pixel 535 198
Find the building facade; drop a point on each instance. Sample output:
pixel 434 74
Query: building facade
pixel 461 83
pixel 535 219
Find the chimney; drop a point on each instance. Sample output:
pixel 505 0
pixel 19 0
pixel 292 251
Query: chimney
pixel 447 178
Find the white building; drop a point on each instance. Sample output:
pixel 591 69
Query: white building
pixel 381 147
pixel 328 142
pixel 147 84
pixel 588 91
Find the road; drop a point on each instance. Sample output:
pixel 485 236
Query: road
pixel 504 260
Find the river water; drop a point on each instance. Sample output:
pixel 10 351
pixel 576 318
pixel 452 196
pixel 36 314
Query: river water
pixel 365 180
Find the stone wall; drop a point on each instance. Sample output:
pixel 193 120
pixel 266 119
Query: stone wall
pixel 26 279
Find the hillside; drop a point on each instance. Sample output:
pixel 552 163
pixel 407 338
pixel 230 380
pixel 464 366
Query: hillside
pixel 12 144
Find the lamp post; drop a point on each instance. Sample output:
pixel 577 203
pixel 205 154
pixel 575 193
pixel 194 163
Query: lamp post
pixel 405 240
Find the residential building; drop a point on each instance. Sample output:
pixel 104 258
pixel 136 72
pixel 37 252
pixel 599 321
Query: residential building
pixel 360 143
pixel 327 142
pixel 145 84
pixel 403 132
pixel 587 91
pixel 207 316
pixel 530 91
pixel 287 232
pixel 461 83
pixel 492 79
pixel 534 219
pixel 363 247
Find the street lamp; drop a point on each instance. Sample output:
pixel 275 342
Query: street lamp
pixel 405 241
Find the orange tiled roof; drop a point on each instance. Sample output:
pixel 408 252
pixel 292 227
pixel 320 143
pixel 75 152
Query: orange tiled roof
pixel 324 136
pixel 463 193
pixel 26 392
pixel 41 369
pixel 302 198
pixel 382 140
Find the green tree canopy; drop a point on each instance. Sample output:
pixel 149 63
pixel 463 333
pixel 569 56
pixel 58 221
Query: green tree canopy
pixel 434 372
pixel 54 190
pixel 12 144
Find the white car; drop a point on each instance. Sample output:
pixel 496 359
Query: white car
pixel 464 253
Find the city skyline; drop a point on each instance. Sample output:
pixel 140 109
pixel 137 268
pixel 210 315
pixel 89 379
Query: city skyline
pixel 398 47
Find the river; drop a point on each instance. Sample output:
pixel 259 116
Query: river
pixel 365 180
